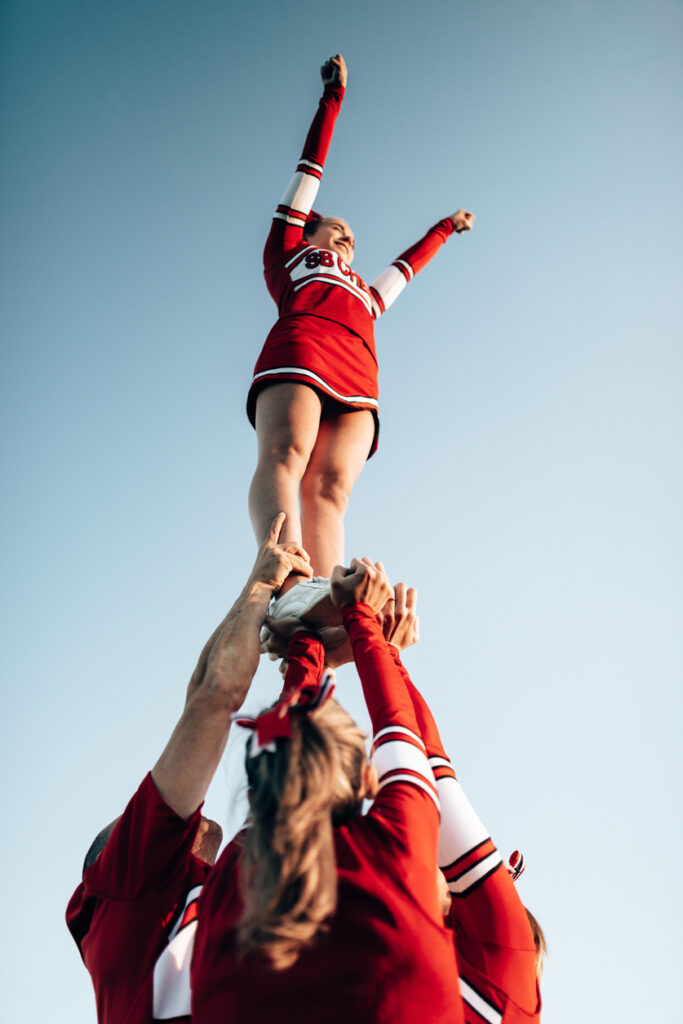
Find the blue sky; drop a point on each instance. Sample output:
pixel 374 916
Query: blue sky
pixel 529 475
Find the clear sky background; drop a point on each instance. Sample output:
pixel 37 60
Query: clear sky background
pixel 528 480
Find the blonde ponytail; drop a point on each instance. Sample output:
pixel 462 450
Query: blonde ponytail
pixel 289 874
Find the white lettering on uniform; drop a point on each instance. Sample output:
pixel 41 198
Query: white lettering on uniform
pixel 326 266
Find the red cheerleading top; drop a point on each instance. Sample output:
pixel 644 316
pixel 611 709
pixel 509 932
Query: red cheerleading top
pixel 385 956
pixel 493 940
pixel 133 916
pixel 325 334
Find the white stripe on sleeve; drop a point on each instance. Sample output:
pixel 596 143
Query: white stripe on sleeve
pixel 397 728
pixel 479 1004
pixel 407 267
pixel 311 163
pixel 414 780
pixel 301 192
pixel 389 285
pixel 460 885
pixel 398 754
pixel 461 830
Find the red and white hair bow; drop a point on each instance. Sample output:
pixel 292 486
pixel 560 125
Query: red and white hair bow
pixel 276 722
pixel 515 865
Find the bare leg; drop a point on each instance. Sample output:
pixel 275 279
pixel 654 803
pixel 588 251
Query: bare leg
pixel 287 418
pixel 340 452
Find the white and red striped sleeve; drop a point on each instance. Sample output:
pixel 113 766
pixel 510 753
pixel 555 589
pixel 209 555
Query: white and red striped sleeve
pixel 398 751
pixel 297 202
pixel 386 288
pixel 467 854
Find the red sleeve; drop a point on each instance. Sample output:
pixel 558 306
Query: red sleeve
pixel 487 915
pixel 305 663
pixel 492 913
pixel 485 902
pixel 149 849
pixel 297 202
pixel 388 286
pixel 398 750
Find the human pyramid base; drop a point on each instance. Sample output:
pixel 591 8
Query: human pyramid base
pixel 360 888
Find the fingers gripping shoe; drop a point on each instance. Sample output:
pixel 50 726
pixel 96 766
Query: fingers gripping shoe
pixel 308 603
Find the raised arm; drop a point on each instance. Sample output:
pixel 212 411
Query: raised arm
pixel 297 202
pixel 398 750
pixel 388 286
pixel 221 680
pixel 467 856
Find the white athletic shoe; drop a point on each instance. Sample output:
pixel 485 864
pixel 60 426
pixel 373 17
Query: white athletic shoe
pixel 307 604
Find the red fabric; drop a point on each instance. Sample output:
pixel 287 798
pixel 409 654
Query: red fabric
pixel 284 237
pixel 325 328
pixel 323 354
pixel 493 941
pixel 121 913
pixel 494 947
pixel 426 726
pixel 419 254
pixel 305 664
pixel 386 956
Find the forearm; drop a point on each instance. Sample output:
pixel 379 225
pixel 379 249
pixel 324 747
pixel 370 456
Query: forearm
pixel 398 752
pixel 234 656
pixel 320 133
pixel 465 848
pixel 461 830
pixel 242 622
pixel 388 286
pixel 187 765
pixel 219 685
pixel 385 693
pixel 426 724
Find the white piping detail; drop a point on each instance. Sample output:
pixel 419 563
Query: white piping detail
pixel 397 728
pixel 298 256
pixel 299 370
pixel 332 280
pixel 311 163
pixel 466 881
pixel 439 762
pixel 411 272
pixel 415 781
pixel 484 1009
pixel 288 219
pixel 389 757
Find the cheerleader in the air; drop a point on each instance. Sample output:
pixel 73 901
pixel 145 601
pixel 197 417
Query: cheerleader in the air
pixel 313 399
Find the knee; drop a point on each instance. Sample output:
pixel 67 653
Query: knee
pixel 284 454
pixel 331 486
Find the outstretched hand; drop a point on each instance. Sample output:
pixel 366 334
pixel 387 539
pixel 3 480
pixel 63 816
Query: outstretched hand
pixel 364 581
pixel 275 561
pixel 462 220
pixel 333 71
pixel 400 623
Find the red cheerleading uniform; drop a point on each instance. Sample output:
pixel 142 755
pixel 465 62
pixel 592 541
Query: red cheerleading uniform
pixel 494 944
pixel 133 917
pixel 385 955
pixel 325 334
